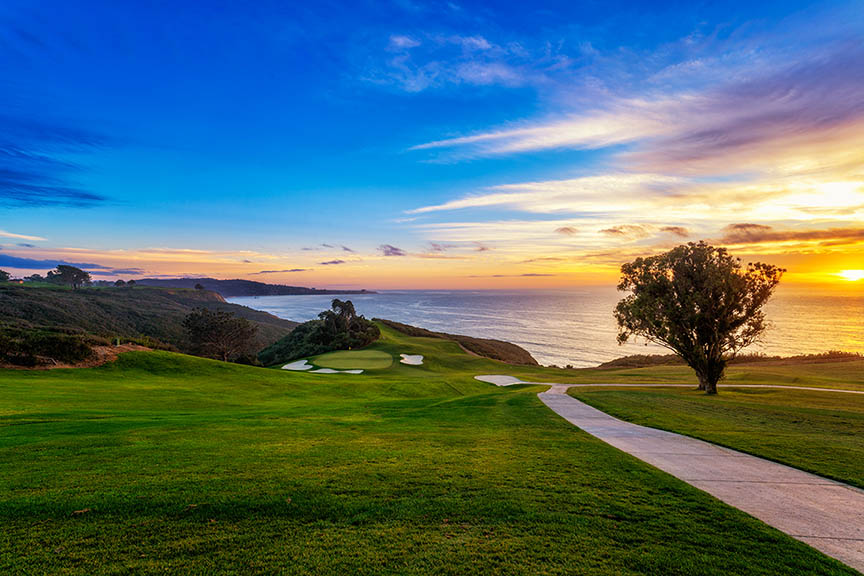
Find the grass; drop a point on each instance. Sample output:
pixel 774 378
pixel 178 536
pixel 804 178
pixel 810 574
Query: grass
pixel 847 375
pixel 354 359
pixel 819 432
pixel 173 464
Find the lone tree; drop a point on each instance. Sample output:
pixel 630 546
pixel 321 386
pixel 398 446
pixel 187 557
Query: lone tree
pixel 119 283
pixel 697 301
pixel 4 276
pixel 199 286
pixel 219 334
pixel 70 276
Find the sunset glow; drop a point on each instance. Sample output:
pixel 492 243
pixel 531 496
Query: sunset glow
pixel 437 151
pixel 852 275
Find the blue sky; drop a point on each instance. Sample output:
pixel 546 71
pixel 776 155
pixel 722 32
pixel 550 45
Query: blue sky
pixel 237 137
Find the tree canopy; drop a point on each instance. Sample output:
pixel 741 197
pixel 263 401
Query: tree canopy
pixel 220 334
pixel 4 276
pixel 69 276
pixel 698 301
pixel 339 328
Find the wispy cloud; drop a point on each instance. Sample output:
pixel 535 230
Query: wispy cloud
pixel 5 234
pixel 390 250
pixel 34 165
pixel 332 262
pixel 279 271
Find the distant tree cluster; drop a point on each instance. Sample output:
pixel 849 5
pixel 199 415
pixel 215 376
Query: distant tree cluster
pixel 699 302
pixel 220 334
pixel 339 328
pixel 69 276
pixel 5 276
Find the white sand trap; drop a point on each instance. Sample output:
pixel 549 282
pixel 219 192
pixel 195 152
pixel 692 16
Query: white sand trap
pixel 331 371
pixel 499 379
pixel 412 359
pixel 297 366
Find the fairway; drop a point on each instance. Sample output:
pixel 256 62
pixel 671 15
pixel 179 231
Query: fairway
pixel 354 359
pixel 173 464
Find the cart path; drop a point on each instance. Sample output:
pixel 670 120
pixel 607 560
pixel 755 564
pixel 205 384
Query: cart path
pixel 825 514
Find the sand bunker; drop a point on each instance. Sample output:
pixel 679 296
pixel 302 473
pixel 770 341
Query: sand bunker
pixel 499 379
pixel 412 359
pixel 297 366
pixel 331 371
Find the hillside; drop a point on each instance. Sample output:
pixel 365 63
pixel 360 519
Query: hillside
pixel 125 312
pixel 233 288
pixel 487 348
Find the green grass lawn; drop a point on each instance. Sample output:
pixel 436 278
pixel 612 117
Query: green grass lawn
pixel 816 431
pixel 365 359
pixel 172 464
pixel 844 374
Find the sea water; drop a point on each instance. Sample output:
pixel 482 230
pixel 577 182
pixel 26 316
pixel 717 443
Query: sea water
pixel 576 327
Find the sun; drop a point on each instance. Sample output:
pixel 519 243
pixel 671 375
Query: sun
pixel 851 275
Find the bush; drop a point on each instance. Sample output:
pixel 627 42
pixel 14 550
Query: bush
pixel 31 347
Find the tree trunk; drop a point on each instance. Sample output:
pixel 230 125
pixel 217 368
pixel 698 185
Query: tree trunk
pixel 711 386
pixel 703 382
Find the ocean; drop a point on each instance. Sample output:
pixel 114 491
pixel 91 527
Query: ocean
pixel 576 327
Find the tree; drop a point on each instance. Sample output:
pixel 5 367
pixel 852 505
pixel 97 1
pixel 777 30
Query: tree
pixel 35 278
pixel 4 276
pixel 119 283
pixel 199 286
pixel 697 301
pixel 130 283
pixel 70 276
pixel 339 328
pixel 219 334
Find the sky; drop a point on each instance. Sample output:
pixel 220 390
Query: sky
pixel 429 144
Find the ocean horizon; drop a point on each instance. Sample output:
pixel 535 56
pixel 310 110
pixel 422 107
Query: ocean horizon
pixel 576 327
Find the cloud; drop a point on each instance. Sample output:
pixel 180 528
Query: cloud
pixel 746 233
pixel 116 271
pixel 34 165
pixel 600 193
pixel 34 264
pixel 5 234
pixel 347 249
pixel 279 271
pixel 787 116
pixel 629 231
pixel 526 275
pixel 332 262
pixel 25 245
pixel 437 61
pixel 679 231
pixel 566 230
pixel 390 250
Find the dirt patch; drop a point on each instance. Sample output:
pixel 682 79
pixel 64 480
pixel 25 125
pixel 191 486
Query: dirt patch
pixel 101 355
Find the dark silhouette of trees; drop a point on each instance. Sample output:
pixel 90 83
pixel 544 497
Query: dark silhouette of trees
pixel 339 328
pixel 119 283
pixel 699 302
pixel 4 276
pixel 35 278
pixel 130 283
pixel 199 286
pixel 69 276
pixel 220 334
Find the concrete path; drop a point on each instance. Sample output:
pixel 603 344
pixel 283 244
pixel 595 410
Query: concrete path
pixel 503 380
pixel 825 514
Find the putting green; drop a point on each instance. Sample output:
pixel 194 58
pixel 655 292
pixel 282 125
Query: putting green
pixel 353 359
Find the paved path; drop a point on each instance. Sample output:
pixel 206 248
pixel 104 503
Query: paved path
pixel 825 514
pixel 502 380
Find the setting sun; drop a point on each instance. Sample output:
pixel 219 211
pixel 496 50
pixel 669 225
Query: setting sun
pixel 852 275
